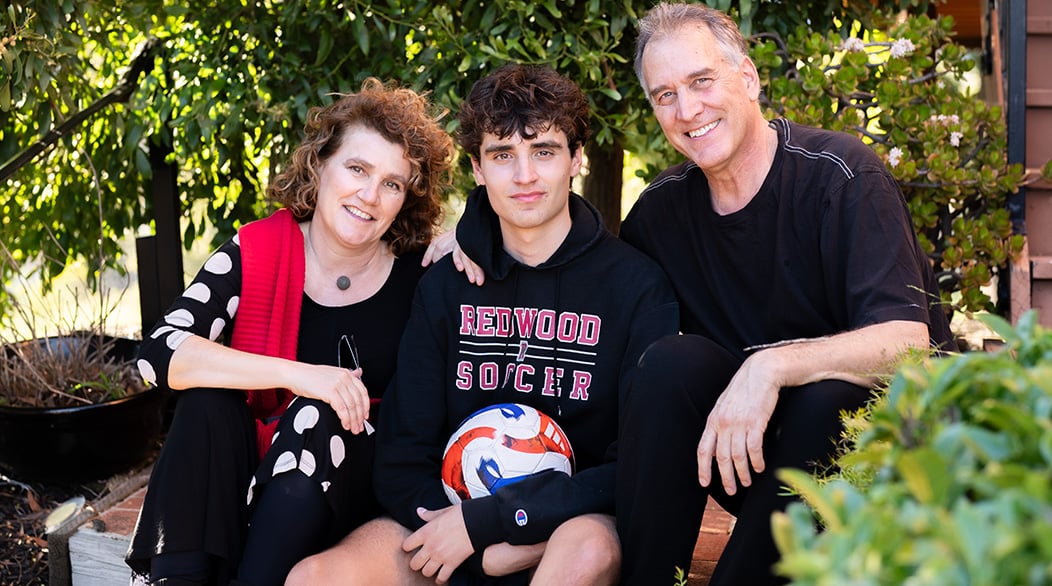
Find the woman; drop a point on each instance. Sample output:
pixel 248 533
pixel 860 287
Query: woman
pixel 302 313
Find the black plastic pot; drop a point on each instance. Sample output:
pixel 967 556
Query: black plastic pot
pixel 83 443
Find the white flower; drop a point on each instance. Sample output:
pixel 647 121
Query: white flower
pixel 955 138
pixel 894 156
pixel 901 48
pixel 853 45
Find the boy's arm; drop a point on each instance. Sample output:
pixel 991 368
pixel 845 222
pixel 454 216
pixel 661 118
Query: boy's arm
pixel 411 432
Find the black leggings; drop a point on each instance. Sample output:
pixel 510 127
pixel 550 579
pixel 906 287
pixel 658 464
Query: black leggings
pixel 659 501
pixel 195 526
pixel 288 525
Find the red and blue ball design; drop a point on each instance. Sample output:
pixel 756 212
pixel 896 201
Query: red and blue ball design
pixel 499 445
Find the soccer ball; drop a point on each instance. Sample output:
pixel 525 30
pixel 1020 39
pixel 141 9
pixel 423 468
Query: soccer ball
pixel 499 445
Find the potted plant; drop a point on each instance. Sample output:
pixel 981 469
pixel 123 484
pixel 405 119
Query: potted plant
pixel 73 407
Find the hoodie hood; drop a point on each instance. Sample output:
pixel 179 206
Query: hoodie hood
pixel 479 236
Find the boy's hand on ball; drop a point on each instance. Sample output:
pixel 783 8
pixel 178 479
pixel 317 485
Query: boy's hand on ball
pixel 441 545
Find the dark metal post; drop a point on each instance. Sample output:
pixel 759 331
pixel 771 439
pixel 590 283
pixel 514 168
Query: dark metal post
pixel 160 257
pixel 1013 23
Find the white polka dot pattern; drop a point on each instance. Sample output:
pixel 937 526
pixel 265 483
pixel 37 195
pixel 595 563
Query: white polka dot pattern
pixel 285 462
pixel 219 264
pixel 161 331
pixel 198 292
pixel 337 451
pixel 217 328
pixel 178 337
pixel 307 463
pixel 313 443
pixel 231 306
pixel 306 418
pixel 147 371
pixel 180 318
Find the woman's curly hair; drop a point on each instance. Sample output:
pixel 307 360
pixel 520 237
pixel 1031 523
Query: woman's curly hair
pixel 402 117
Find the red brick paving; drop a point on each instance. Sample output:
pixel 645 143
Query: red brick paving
pixel 121 517
pixel 715 531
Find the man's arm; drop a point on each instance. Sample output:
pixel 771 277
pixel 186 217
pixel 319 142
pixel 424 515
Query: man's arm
pixel 734 432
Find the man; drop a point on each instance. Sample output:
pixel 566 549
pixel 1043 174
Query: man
pixel 799 280
pixel 559 324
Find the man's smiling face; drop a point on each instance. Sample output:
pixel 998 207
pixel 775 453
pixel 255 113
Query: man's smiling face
pixel 703 101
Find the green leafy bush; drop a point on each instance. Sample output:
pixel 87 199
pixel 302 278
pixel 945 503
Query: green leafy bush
pixel 949 482
pixel 900 89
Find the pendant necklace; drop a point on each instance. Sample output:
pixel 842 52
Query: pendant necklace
pixel 343 282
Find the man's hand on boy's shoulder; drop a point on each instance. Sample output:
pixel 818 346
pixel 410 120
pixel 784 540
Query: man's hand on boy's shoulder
pixel 441 545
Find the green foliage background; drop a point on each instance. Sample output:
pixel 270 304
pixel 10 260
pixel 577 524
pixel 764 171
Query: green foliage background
pixel 231 83
pixel 948 482
pixel 902 91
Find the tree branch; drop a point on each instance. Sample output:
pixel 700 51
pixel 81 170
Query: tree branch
pixel 121 93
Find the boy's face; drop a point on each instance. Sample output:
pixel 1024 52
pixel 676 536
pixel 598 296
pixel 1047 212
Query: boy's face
pixel 528 181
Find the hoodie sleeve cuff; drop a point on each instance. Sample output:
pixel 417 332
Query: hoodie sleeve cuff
pixel 482 522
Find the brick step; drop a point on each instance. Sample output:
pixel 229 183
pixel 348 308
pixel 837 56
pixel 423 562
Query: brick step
pixel 716 529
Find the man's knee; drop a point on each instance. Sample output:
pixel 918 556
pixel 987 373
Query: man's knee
pixel 679 376
pixel 817 408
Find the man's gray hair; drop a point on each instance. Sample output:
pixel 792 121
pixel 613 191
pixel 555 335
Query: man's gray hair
pixel 667 18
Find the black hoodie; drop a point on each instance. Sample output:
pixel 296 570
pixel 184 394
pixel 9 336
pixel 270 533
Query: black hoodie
pixel 563 337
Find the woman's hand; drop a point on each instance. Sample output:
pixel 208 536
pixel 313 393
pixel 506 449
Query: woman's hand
pixel 341 388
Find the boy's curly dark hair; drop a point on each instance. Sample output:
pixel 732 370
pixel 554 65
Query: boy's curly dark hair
pixel 402 117
pixel 523 99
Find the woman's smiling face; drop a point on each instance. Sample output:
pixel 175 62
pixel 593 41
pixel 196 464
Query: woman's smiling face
pixel 361 187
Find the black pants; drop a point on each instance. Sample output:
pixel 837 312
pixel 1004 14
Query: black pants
pixel 196 526
pixel 659 501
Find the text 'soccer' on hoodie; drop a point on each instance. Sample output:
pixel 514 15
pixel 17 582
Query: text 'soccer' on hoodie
pixel 563 337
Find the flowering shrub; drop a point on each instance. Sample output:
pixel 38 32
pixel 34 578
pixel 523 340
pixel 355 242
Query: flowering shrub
pixel 948 482
pixel 899 88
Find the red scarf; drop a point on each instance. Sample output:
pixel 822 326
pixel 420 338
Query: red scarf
pixel 268 314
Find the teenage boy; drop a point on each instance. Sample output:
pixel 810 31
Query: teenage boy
pixel 560 324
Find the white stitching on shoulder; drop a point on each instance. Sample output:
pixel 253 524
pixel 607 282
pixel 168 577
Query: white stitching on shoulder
pixel 671 178
pixel 834 158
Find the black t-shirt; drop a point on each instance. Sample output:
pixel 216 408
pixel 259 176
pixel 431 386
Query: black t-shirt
pixel 375 323
pixel 825 246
